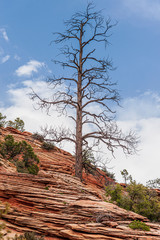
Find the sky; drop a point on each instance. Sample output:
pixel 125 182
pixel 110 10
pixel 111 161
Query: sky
pixel 26 54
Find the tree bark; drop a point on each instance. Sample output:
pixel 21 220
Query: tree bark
pixel 78 164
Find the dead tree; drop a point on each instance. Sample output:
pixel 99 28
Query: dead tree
pixel 88 90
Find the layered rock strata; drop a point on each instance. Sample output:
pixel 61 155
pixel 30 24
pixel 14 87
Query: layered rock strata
pixel 57 205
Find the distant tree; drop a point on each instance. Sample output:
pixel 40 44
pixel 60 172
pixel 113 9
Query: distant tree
pixel 88 90
pixel 17 124
pixel 126 176
pixel 2 120
pixel 154 183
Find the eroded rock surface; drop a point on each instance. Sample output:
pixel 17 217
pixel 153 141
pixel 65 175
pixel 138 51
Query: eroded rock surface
pixel 56 204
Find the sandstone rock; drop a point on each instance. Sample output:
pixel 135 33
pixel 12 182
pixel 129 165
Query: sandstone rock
pixel 56 204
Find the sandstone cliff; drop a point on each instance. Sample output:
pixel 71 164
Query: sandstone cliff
pixel 57 205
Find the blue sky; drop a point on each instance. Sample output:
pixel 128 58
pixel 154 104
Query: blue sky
pixel 26 28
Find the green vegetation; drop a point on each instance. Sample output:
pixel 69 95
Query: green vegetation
pixel 136 198
pixel 126 176
pixel 2 120
pixel 17 124
pixel 139 225
pixel 21 154
pixel 88 162
pixel 48 146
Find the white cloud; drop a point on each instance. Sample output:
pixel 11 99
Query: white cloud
pixel 5 58
pixel 141 113
pixel 145 8
pixel 21 106
pixel 140 107
pixel 29 68
pixel 3 34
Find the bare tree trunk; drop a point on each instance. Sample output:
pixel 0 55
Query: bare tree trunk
pixel 78 165
pixel 89 75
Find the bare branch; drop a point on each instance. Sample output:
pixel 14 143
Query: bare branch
pixel 58 134
pixel 86 87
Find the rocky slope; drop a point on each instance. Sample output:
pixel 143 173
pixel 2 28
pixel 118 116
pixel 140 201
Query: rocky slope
pixel 57 205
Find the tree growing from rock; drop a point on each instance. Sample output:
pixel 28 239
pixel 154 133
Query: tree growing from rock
pixel 86 88
pixel 2 120
pixel 17 124
pixel 126 176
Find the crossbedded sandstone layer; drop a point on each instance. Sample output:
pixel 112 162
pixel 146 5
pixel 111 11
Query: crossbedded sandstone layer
pixel 57 205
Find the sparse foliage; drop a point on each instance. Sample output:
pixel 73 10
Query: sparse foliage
pixel 126 176
pixel 108 173
pixel 154 183
pixel 38 137
pixel 2 120
pixel 48 146
pixel 89 163
pixel 28 236
pixel 17 124
pixel 88 90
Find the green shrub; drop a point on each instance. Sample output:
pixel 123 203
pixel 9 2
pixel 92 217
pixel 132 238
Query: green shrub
pixel 137 198
pixel 115 191
pixel 139 225
pixel 21 167
pixel 9 148
pixel 17 124
pixel 48 146
pixel 21 154
pixel 2 120
pixel 38 137
pixel 88 162
pixel 33 169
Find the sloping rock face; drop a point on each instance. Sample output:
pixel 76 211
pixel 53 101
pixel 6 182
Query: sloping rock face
pixel 57 205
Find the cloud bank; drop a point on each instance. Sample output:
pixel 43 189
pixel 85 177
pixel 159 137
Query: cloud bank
pixel 141 113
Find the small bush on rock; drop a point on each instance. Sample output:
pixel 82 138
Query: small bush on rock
pixel 48 146
pixel 28 236
pixel 2 120
pixel 17 124
pixel 139 225
pixel 89 163
pixel 21 154
pixel 38 137
pixel 9 148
